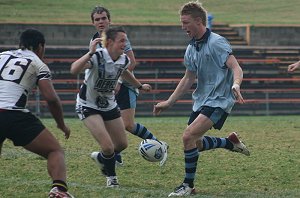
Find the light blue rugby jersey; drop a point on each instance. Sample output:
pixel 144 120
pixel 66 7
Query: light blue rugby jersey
pixel 207 59
pixel 124 82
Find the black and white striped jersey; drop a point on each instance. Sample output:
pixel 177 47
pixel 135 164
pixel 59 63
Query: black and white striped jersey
pixel 97 90
pixel 20 71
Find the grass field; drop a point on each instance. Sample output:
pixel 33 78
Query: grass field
pixel 271 171
pixel 149 12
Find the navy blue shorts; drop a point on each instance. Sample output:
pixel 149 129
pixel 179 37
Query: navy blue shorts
pixel 215 114
pixel 20 127
pixel 126 98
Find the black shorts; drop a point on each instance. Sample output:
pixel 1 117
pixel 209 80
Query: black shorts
pixel 19 127
pixel 126 98
pixel 106 115
pixel 215 114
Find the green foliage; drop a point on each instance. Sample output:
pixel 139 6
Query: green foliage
pixel 271 171
pixel 149 12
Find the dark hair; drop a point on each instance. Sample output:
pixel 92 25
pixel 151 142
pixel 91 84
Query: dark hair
pixel 31 38
pixel 99 10
pixel 111 33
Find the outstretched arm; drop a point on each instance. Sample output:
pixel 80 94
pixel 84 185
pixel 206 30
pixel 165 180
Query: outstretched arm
pixel 237 78
pixel 127 75
pixel 184 85
pixel 294 66
pixel 54 105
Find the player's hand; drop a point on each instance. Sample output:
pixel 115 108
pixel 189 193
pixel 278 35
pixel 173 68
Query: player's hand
pixel 237 93
pixel 93 45
pixel 66 131
pixel 146 87
pixel 293 67
pixel 159 107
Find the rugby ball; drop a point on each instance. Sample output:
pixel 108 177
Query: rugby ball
pixel 151 150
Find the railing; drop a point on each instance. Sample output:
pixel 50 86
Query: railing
pixel 262 91
pixel 267 92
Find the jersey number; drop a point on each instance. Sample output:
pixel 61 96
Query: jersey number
pixel 13 68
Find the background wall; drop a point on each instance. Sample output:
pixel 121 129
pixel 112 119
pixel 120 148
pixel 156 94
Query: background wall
pixel 142 35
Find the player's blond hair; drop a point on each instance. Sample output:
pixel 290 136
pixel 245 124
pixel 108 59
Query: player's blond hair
pixel 195 9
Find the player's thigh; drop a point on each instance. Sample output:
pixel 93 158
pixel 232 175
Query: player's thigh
pixel 117 133
pixel 44 144
pixel 199 126
pixel 96 126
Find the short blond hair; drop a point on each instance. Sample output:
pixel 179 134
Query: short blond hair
pixel 195 9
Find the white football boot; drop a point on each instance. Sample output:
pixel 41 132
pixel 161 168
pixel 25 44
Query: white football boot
pixel 112 182
pixel 56 193
pixel 238 146
pixel 182 190
pixel 165 148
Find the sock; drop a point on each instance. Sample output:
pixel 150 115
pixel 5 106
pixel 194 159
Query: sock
pixel 118 156
pixel 215 142
pixel 142 132
pixel 109 162
pixel 191 159
pixel 61 185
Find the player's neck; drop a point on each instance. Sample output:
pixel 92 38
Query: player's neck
pixel 113 55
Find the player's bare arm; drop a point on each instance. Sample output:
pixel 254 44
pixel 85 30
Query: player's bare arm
pixel 54 105
pixel 82 63
pixel 233 64
pixel 294 66
pixel 127 75
pixel 132 65
pixel 184 85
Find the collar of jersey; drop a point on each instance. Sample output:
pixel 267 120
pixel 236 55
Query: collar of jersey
pixel 108 59
pixel 203 39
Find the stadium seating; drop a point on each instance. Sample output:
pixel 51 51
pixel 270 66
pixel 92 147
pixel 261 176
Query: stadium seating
pixel 267 87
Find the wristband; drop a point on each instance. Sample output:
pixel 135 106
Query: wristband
pixel 237 81
pixel 140 87
pixel 91 54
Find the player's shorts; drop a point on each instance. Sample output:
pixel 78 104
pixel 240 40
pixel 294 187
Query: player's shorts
pixel 215 114
pixel 106 115
pixel 126 98
pixel 19 127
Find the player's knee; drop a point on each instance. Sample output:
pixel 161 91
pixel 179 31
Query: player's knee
pixel 188 138
pixel 57 154
pixel 129 127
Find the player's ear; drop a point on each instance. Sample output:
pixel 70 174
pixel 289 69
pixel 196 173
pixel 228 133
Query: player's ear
pixel 40 52
pixel 108 42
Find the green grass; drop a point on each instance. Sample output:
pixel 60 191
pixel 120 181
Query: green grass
pixel 149 12
pixel 271 171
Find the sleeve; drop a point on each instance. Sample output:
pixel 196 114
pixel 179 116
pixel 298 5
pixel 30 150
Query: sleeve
pixel 222 50
pixel 127 46
pixel 43 71
pixel 188 63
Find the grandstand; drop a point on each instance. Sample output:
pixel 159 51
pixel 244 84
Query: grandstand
pixel 267 87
